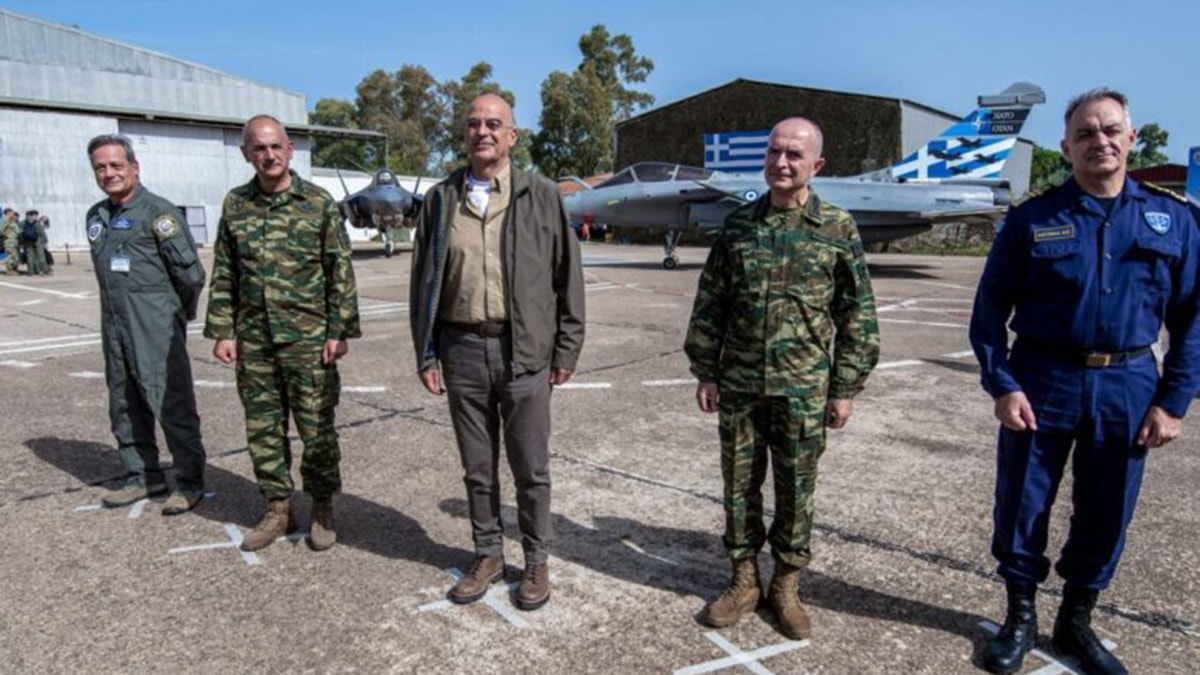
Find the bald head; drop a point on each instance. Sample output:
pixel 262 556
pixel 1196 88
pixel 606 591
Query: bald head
pixel 490 134
pixel 266 146
pixel 793 158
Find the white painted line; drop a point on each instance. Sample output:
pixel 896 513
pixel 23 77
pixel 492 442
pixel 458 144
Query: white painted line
pixel 199 547
pixel 440 604
pixel 903 304
pixel 235 537
pixel 138 507
pixel 89 507
pixel 22 287
pixel 31 302
pixel 22 343
pixel 212 384
pixel 364 390
pixel 1055 663
pixel 737 657
pixel 959 355
pixel 639 549
pixel 667 383
pixel 88 375
pixel 18 364
pixel 81 340
pixel 926 323
pixel 496 599
pixel 584 385
pixel 899 364
pixel 608 287
pixel 88 343
pixel 942 284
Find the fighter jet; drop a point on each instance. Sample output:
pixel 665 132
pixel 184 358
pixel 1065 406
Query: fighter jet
pixel 933 185
pixel 382 205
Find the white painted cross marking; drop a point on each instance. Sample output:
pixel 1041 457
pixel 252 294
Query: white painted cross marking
pixel 899 364
pixel 364 390
pixel 18 364
pixel 1055 663
pixel 737 657
pixel 88 375
pixel 135 509
pixel 493 599
pixel 23 287
pixel 235 542
pixel 667 383
pixel 584 385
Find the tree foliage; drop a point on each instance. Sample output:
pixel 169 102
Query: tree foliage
pixel 1151 139
pixel 1051 168
pixel 581 109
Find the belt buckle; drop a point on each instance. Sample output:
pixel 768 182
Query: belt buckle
pixel 1098 360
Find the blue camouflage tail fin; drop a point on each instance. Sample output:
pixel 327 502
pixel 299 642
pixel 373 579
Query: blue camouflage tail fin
pixel 1193 177
pixel 974 148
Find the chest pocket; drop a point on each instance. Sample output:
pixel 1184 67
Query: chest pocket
pixel 1153 256
pixel 1055 265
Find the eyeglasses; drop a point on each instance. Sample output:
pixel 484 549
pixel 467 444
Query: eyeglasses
pixel 492 124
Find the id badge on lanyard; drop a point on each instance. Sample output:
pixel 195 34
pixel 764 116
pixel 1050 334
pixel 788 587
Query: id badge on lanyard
pixel 119 261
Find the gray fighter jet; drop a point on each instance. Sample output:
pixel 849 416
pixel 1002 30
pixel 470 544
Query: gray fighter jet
pixel 382 205
pixel 954 178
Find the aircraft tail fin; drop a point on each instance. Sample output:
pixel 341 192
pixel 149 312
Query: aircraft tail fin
pixel 976 146
pixel 1193 177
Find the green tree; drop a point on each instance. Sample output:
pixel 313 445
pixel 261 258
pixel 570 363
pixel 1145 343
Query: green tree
pixel 581 109
pixel 405 107
pixel 1151 139
pixel 456 99
pixel 1049 168
pixel 341 153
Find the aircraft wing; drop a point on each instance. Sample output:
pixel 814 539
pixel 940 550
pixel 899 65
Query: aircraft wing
pixel 986 214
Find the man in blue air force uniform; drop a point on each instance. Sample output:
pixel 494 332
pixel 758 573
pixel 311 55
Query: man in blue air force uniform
pixel 1088 273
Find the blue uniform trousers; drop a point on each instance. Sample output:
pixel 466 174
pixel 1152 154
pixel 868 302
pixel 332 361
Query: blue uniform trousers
pixel 1092 415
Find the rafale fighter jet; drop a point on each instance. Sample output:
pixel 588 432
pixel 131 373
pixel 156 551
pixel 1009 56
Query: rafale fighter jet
pixel 955 178
pixel 382 205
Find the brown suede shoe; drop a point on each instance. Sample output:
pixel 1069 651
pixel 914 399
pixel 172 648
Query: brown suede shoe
pixel 484 571
pixel 534 590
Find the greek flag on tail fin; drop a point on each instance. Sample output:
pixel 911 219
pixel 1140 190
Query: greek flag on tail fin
pixel 736 151
pixel 978 145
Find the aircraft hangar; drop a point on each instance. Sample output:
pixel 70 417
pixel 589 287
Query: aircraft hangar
pixel 862 132
pixel 61 86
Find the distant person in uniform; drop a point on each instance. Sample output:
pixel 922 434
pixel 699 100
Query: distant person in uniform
pixel 10 230
pixel 33 238
pixel 150 283
pixel 1085 275
pixel 44 221
pixel 282 304
pixel 497 314
pixel 783 335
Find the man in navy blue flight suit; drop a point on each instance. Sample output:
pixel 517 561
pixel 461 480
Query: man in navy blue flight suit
pixel 1088 273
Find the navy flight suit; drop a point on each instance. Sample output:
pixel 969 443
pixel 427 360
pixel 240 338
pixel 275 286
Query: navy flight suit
pixel 1088 290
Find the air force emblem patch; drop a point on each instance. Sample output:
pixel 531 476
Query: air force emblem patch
pixel 93 231
pixel 166 227
pixel 1158 221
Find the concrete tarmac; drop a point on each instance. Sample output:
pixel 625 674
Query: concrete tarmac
pixel 901 582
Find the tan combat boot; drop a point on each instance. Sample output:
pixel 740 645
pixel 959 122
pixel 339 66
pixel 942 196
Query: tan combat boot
pixel 785 600
pixel 276 522
pixel 320 534
pixel 742 596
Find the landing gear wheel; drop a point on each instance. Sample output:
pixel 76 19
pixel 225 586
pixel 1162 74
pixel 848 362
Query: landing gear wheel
pixel 670 262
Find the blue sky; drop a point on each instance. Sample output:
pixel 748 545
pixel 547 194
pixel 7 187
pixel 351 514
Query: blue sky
pixel 939 52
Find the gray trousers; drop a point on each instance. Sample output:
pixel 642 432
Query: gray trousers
pixel 486 401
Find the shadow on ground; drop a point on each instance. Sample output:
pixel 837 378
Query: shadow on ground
pixel 362 524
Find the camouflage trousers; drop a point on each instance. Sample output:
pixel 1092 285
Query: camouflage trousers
pixel 12 253
pixel 274 381
pixel 791 430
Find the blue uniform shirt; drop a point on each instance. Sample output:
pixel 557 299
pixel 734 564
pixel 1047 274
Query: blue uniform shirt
pixel 1071 273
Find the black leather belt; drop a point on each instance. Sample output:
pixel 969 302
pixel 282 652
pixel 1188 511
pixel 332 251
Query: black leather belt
pixel 487 329
pixel 1088 359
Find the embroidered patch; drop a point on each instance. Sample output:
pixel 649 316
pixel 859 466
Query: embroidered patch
pixel 122 223
pixel 93 231
pixel 308 207
pixel 1158 221
pixel 750 195
pixel 1055 233
pixel 166 226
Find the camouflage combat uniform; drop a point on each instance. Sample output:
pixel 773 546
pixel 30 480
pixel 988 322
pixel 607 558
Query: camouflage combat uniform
pixel 150 283
pixel 784 319
pixel 12 244
pixel 282 285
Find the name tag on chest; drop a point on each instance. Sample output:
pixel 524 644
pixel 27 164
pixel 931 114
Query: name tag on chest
pixel 121 223
pixel 1054 233
pixel 119 263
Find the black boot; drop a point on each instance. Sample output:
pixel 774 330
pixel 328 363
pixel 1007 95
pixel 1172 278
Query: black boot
pixel 1006 652
pixel 1073 633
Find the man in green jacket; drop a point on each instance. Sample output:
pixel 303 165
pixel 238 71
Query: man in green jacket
pixel 783 334
pixel 150 282
pixel 496 310
pixel 282 304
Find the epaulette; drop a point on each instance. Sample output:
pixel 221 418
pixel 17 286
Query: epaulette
pixel 1165 192
pixel 1043 191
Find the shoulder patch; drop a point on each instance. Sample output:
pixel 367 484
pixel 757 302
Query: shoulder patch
pixel 167 226
pixel 1165 192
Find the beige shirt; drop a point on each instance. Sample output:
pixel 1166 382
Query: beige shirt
pixel 474 283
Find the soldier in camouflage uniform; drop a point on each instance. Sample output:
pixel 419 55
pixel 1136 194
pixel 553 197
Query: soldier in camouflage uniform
pixel 12 242
pixel 784 286
pixel 282 304
pixel 150 283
